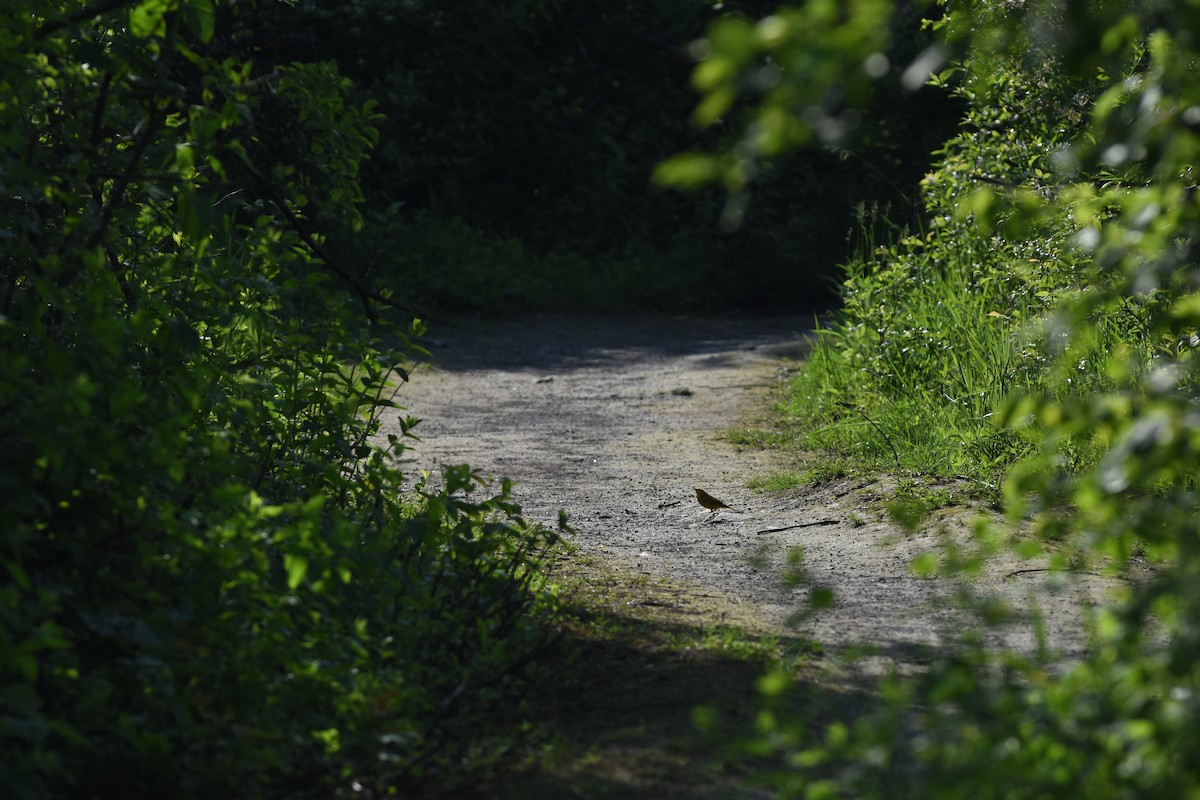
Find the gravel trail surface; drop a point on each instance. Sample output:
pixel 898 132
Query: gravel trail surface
pixel 616 419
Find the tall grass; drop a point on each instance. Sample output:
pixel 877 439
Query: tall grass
pixel 937 331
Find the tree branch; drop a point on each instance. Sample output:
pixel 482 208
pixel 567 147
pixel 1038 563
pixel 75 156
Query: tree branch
pixel 801 525
pixel 157 118
pixel 365 294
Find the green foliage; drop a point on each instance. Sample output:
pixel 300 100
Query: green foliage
pixel 818 74
pixel 945 324
pixel 217 581
pixel 1054 290
pixel 916 341
pixel 835 48
pixel 942 325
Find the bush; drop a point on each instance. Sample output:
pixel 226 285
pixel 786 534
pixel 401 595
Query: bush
pixel 219 581
pixel 944 324
pixel 1065 204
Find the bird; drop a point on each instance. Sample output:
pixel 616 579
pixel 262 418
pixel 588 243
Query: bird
pixel 708 501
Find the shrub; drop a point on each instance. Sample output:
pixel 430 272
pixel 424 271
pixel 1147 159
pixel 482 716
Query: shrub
pixel 218 581
pixel 1067 198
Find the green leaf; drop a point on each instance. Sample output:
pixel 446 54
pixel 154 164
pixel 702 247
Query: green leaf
pixel 978 204
pixel 735 38
pixel 712 107
pixel 925 565
pixel 775 683
pixel 18 574
pixel 196 216
pixel 198 17
pixel 688 170
pixel 1187 307
pixel 147 18
pixel 820 597
pixel 713 72
pixel 297 568
pixel 909 511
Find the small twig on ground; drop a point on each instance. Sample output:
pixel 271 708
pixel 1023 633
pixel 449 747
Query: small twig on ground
pixel 740 386
pixel 1055 569
pixel 801 525
pixel 668 505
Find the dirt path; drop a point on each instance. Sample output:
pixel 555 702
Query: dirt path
pixel 615 420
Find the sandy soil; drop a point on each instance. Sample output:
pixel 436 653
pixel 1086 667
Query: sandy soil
pixel 616 419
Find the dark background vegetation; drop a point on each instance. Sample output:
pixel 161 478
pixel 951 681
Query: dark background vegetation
pixel 514 161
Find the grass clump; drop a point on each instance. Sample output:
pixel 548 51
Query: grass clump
pixel 939 329
pixel 942 329
pixel 764 439
pixel 814 475
pixel 908 377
